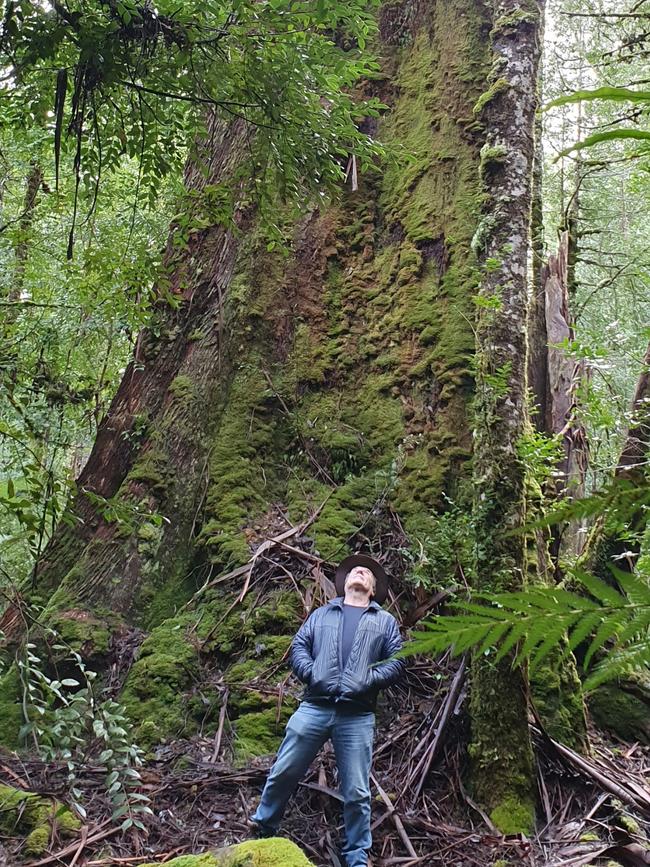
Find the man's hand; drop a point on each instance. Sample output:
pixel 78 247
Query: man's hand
pixel 300 658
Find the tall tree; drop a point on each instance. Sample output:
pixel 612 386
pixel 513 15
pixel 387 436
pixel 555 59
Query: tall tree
pixel 501 749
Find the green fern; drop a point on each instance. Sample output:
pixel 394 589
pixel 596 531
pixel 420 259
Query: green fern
pixel 532 623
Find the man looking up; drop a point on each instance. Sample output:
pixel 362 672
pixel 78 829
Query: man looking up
pixel 343 654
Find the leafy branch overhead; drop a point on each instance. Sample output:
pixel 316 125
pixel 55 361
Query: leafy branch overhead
pixel 607 94
pixel 115 78
pixel 535 621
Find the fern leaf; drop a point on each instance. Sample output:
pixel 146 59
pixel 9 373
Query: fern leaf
pixel 495 635
pixel 609 135
pixel 610 625
pixel 636 587
pixel 517 632
pixel 638 624
pixel 536 637
pixel 552 641
pixel 629 659
pixel 584 628
pixel 600 589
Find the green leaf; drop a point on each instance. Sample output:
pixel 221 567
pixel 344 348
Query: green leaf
pixel 621 133
pixel 610 94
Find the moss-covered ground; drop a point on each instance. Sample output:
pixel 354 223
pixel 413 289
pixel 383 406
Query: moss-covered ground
pixel 34 817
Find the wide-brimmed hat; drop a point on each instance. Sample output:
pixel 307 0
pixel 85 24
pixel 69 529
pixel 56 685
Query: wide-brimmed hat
pixel 381 578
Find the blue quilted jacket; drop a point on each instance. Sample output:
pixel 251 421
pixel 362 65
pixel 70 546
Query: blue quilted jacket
pixel 316 656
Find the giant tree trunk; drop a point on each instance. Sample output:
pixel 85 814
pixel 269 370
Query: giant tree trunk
pixel 501 749
pixel 330 384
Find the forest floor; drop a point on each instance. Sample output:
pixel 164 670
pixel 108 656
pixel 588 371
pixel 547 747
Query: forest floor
pixel 594 811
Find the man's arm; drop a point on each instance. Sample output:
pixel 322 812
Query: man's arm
pixel 386 673
pixel 300 657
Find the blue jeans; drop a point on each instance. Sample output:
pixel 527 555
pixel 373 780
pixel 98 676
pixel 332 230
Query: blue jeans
pixel 352 736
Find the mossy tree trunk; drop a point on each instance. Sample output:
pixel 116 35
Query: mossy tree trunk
pixel 501 751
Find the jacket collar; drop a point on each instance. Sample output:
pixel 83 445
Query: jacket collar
pixel 337 602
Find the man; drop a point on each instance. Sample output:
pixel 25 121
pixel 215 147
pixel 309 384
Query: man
pixel 338 653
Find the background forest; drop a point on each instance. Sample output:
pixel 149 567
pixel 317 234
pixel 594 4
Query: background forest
pixel 283 280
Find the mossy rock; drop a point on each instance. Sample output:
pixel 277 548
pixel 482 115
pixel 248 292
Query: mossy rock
pixel 29 815
pixel 624 713
pixel 272 852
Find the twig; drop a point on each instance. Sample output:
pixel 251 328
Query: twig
pixel 396 819
pixel 218 736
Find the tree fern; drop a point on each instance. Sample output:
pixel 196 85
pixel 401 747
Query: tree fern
pixel 534 622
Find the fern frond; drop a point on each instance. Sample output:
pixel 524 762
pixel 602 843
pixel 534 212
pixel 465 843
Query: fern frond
pixel 608 628
pixel 534 621
pixel 599 589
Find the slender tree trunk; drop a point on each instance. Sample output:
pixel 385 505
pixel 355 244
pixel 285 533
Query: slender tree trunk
pixel 501 751
pixel 33 186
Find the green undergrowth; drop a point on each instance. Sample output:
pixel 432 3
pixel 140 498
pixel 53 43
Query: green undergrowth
pixel 623 709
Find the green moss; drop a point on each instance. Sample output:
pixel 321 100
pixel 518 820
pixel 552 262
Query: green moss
pixel 271 852
pixel 241 482
pixel 557 692
pixel 151 468
pixel 621 712
pixel 154 694
pixel 494 89
pixel 259 734
pixel 37 840
pixel 513 816
pixel 85 633
pixel 32 816
pixel 181 386
pixel 240 628
pixel 500 751
pixel 206 860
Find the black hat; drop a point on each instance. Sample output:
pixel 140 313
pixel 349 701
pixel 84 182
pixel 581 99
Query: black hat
pixel 345 566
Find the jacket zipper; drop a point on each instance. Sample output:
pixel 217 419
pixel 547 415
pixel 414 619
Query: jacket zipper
pixel 339 652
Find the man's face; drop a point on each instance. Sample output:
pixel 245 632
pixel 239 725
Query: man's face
pixel 362 579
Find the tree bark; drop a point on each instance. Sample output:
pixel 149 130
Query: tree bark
pixel 501 750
